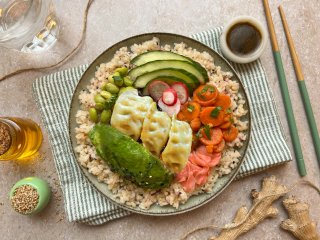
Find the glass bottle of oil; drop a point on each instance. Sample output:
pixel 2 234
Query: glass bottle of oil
pixel 19 138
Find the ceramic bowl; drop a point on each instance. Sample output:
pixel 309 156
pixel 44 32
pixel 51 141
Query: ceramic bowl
pixel 165 38
pixel 248 57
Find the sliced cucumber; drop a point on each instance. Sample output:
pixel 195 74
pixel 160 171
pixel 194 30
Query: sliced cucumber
pixel 169 73
pixel 157 55
pixel 163 64
pixel 166 55
pixel 170 80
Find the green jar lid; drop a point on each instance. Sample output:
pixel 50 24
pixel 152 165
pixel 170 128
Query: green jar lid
pixel 42 189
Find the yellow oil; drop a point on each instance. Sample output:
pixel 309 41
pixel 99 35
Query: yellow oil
pixel 26 138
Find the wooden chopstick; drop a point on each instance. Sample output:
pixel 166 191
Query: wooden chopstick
pixel 302 86
pixel 285 92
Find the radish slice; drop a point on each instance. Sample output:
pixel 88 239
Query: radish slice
pixel 169 97
pixel 171 110
pixel 156 89
pixel 182 91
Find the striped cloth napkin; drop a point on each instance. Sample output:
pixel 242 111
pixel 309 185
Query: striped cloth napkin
pixel 83 203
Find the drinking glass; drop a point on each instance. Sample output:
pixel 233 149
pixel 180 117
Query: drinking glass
pixel 28 25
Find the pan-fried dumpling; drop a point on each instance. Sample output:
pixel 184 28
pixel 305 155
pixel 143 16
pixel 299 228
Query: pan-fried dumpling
pixel 129 113
pixel 155 130
pixel 178 148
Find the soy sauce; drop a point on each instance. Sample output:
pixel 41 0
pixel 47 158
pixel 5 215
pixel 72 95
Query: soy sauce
pixel 243 38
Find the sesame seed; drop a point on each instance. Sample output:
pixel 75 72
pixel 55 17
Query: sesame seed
pixel 25 199
pixel 5 138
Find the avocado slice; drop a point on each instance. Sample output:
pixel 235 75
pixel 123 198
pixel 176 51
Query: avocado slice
pixel 188 78
pixel 157 55
pixel 129 158
pixel 163 64
pixel 167 55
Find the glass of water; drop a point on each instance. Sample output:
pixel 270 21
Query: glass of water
pixel 27 25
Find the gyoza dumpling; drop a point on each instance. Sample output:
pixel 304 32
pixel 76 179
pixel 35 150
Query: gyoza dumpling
pixel 129 113
pixel 178 148
pixel 155 130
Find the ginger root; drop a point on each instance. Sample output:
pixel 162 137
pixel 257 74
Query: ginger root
pixel 299 222
pixel 262 208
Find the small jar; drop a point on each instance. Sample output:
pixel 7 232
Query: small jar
pixel 243 39
pixel 30 195
pixel 19 138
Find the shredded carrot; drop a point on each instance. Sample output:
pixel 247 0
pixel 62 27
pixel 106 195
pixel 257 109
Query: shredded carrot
pixel 195 124
pixel 219 147
pixel 225 125
pixel 209 148
pixel 214 138
pixel 205 95
pixel 223 101
pixel 227 120
pixel 212 115
pixel 230 134
pixel 189 111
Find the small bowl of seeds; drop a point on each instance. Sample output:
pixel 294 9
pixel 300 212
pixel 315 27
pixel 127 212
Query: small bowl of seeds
pixel 30 195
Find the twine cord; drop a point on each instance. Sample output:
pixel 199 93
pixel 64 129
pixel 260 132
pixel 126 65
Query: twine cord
pixel 234 225
pixel 65 58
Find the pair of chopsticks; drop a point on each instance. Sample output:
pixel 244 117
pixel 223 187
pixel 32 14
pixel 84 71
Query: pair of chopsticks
pixel 285 91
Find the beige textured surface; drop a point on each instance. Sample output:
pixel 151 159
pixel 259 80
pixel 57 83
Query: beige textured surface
pixel 111 21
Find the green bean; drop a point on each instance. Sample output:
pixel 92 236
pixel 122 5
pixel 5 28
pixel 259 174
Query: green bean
pixel 127 81
pixel 100 106
pixel 122 70
pixel 103 87
pixel 112 88
pixel 106 95
pixel 99 99
pixel 105 116
pixel 110 79
pixel 93 115
pixel 118 80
